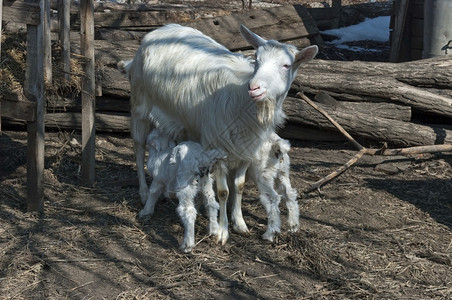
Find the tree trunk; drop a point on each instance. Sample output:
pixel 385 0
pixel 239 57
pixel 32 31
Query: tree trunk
pixel 379 109
pixel 433 72
pixel 363 125
pixel 379 86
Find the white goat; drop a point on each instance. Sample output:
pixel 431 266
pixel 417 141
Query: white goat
pixel 185 81
pixel 182 171
pixel 274 165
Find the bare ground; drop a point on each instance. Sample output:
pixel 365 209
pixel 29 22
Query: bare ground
pixel 380 231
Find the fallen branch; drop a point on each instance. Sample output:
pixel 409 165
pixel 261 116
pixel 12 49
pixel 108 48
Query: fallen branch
pixel 336 124
pixel 363 150
pixel 343 168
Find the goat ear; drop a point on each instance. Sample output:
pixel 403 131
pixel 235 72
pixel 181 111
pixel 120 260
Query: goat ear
pixel 252 38
pixel 173 157
pixel 156 145
pixel 276 150
pixel 305 54
pixel 171 143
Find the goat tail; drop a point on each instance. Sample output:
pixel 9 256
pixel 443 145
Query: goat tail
pixel 124 66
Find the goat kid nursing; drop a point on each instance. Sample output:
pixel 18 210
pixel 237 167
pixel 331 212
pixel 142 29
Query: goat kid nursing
pixel 189 85
pixel 181 171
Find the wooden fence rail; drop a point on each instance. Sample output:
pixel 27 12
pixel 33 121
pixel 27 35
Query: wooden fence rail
pixel 30 106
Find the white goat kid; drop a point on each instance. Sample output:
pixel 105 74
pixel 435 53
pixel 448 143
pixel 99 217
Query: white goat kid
pixel 274 166
pixel 186 81
pixel 182 171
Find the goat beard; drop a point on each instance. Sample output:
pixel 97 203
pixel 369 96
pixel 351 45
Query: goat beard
pixel 266 111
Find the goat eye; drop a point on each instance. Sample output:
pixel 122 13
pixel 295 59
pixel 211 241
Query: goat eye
pixel 286 66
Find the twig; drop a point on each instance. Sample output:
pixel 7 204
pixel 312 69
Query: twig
pixel 363 150
pixel 343 168
pixel 56 260
pixel 336 124
pixel 263 262
pixel 80 286
pixel 265 276
pixel 418 150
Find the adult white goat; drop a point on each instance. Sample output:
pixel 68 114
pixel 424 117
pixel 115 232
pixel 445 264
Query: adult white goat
pixel 181 171
pixel 219 98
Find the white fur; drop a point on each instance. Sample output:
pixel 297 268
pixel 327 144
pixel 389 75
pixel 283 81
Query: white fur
pixel 274 170
pixel 191 86
pixel 182 171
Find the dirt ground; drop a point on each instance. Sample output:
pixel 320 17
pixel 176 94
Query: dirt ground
pixel 383 230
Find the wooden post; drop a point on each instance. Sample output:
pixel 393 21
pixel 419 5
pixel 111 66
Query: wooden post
pixel 88 92
pixel 399 14
pixel 64 14
pixel 337 3
pixel 34 90
pixel 47 44
pixel 1 14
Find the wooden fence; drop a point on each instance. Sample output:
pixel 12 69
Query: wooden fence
pixel 30 106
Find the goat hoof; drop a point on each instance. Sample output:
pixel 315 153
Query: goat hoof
pixel 241 229
pixel 144 197
pixel 213 230
pixel 269 236
pixel 293 226
pixel 222 237
pixel 143 214
pixel 293 229
pixel 187 248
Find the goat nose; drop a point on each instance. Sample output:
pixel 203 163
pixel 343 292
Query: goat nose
pixel 253 87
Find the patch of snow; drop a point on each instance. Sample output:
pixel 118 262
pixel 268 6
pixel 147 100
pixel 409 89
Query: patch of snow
pixel 375 29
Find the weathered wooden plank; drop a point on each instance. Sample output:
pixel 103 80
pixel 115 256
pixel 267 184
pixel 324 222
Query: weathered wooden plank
pixel 34 91
pixel 64 35
pixel 105 122
pixel 401 9
pixel 110 53
pixel 22 110
pixel 280 23
pixel 114 6
pixel 88 92
pixel 115 83
pixel 324 13
pixel 152 18
pixel 103 104
pixel 47 44
pixel 21 12
pixel 1 17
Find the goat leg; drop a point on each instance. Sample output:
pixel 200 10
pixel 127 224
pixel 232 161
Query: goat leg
pixel 270 199
pixel 239 224
pixel 140 130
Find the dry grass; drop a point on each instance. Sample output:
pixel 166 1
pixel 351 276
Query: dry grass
pixel 13 66
pixel 368 235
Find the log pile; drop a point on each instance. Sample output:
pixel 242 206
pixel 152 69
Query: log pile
pixel 385 92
